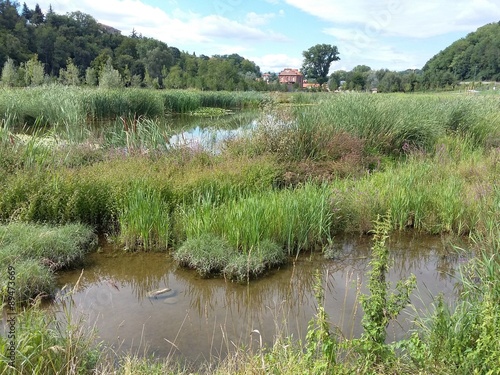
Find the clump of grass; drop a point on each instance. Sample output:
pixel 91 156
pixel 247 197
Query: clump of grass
pixel 144 219
pixel 45 345
pixel 35 251
pixel 212 255
pixel 244 267
pixel 206 253
pixel 58 246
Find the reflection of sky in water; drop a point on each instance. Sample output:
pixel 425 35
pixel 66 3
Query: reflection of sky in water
pixel 208 139
pixel 200 318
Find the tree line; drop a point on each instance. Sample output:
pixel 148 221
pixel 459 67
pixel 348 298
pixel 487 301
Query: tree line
pixel 76 49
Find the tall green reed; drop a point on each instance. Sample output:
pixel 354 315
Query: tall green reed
pixel 295 219
pixel 144 219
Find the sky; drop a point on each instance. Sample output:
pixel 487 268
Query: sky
pixel 383 34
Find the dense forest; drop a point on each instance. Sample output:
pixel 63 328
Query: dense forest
pixel 473 58
pixel 75 49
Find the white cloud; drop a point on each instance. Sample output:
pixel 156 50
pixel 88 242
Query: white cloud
pixel 218 26
pixel 254 19
pixel 276 62
pixel 358 48
pixel 421 19
pixel 181 27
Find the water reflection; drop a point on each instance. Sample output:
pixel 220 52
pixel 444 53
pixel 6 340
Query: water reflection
pixel 201 318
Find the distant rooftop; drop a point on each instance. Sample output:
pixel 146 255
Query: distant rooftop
pixel 290 72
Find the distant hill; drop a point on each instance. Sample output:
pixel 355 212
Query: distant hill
pixel 75 49
pixel 475 57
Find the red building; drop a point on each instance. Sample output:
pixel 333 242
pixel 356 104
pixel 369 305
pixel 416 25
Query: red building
pixel 291 76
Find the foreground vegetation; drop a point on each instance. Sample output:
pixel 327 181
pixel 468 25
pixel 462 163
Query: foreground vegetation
pixel 329 164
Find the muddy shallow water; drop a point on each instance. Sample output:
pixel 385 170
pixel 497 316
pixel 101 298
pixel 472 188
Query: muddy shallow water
pixel 201 319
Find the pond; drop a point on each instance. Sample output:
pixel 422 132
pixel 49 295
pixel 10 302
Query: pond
pixel 200 320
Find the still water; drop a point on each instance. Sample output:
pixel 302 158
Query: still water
pixel 202 319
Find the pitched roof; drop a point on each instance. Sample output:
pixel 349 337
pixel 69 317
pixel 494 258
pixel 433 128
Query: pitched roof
pixel 290 72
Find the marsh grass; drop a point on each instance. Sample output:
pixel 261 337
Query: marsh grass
pixel 48 105
pixel 210 255
pixel 295 219
pixel 36 251
pixel 45 345
pixel 392 124
pixel 144 219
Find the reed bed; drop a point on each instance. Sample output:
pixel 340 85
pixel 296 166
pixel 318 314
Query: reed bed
pixel 65 107
pixel 394 124
pixel 296 219
pixel 144 219
pixel 110 104
pixel 48 105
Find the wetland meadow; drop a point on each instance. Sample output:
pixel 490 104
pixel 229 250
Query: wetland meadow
pixel 287 232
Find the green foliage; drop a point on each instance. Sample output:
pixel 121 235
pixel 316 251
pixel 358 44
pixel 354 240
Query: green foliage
pixel 321 347
pixel 473 58
pixel 317 61
pixel 110 78
pixel 70 75
pixel 134 60
pixel 33 72
pixel 9 74
pixel 381 307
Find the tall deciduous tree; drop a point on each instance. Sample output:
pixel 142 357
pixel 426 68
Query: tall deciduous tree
pixel 317 61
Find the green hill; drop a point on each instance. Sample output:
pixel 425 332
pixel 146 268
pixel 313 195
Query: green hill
pixel 475 57
pixel 76 49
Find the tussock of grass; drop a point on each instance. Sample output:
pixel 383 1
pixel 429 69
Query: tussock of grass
pixel 244 267
pixel 35 251
pixel 212 255
pixel 206 253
